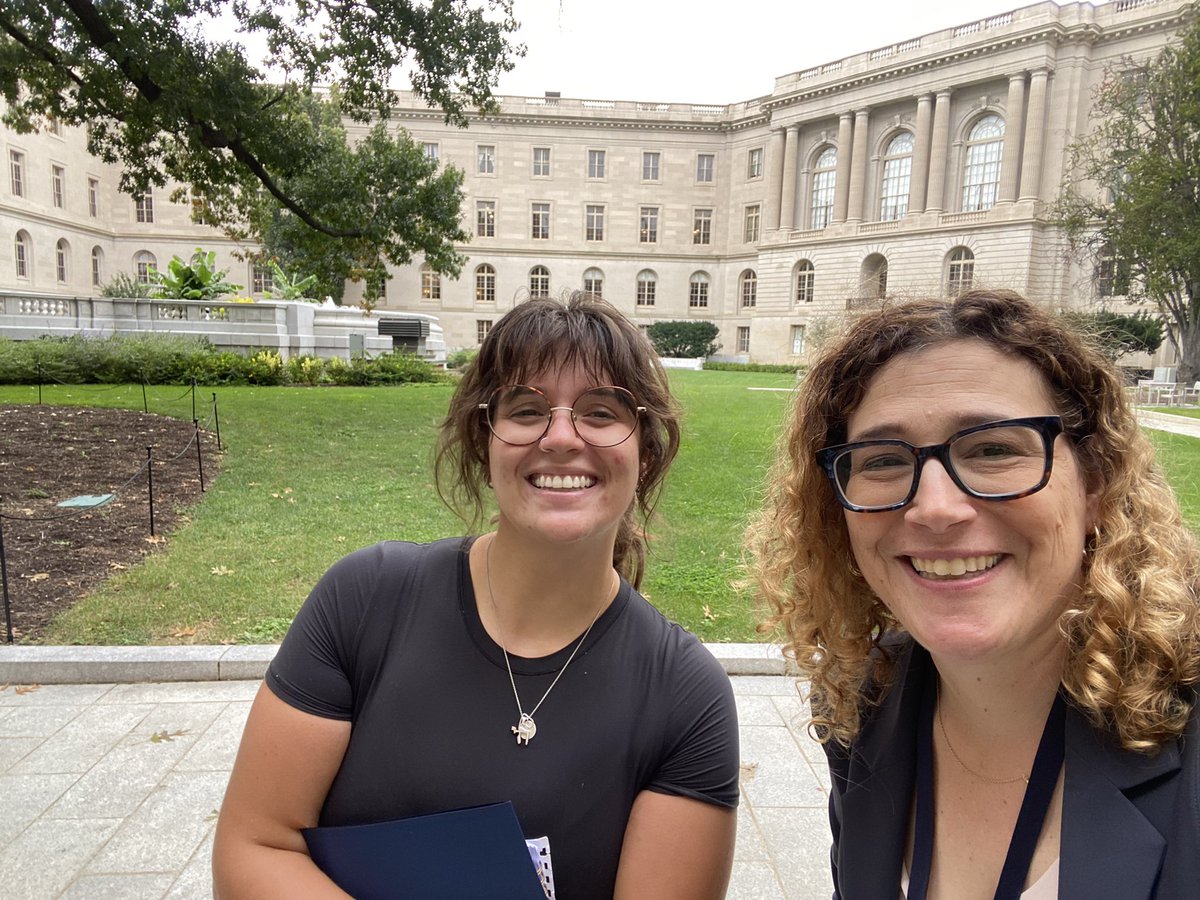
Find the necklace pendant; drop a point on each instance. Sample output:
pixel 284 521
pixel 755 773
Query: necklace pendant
pixel 525 729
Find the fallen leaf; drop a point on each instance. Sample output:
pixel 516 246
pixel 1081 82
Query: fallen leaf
pixel 172 585
pixel 156 539
pixel 160 736
pixel 184 632
pixel 40 576
pixel 340 539
pixel 709 614
pixel 747 771
pixel 117 565
pixel 26 688
pixel 220 570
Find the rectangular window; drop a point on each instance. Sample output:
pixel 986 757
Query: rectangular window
pixel 482 327
pixel 650 162
pixel 539 225
pixel 753 215
pixel 702 226
pixel 743 339
pixel 144 208
pixel 261 280
pixel 705 163
pixel 485 218
pixel 431 284
pixel 648 225
pixel 93 197
pixel 541 162
pixel 593 226
pixel 595 165
pixel 58 178
pixel 754 163
pixel 797 340
pixel 485 155
pixel 431 151
pixel 16 170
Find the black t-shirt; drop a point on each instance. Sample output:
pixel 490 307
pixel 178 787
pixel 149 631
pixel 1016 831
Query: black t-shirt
pixel 390 639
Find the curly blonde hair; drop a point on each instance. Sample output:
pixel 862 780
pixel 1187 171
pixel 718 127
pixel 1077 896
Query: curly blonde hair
pixel 1133 637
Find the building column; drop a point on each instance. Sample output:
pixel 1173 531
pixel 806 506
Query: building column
pixel 1014 125
pixel 787 203
pixel 919 183
pixel 774 164
pixel 1035 135
pixel 938 151
pixel 858 166
pixel 804 192
pixel 841 178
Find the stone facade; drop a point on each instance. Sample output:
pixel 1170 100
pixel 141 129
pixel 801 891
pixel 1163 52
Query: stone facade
pixel 907 170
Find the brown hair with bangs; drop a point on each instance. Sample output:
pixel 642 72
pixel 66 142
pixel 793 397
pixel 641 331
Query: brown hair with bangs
pixel 1132 634
pixel 545 334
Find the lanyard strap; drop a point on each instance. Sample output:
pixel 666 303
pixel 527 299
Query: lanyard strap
pixel 1042 780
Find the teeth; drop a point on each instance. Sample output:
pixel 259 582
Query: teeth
pixel 563 482
pixel 954 567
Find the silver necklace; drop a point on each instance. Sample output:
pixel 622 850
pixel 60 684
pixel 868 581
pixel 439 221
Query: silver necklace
pixel 525 728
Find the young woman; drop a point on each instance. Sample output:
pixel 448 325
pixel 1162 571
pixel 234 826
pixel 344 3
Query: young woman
pixel 984 575
pixel 520 665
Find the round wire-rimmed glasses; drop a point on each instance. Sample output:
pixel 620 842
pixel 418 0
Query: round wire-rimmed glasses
pixel 602 416
pixel 1001 460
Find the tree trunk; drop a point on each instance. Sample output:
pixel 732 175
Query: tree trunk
pixel 1189 354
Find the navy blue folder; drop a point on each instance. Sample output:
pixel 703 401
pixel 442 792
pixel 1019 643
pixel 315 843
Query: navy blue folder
pixel 478 852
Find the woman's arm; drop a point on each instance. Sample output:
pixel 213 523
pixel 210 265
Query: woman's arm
pixel 285 765
pixel 676 848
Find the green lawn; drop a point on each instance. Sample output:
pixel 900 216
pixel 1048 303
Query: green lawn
pixel 310 474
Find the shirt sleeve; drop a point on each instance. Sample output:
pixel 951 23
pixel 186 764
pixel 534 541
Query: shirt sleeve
pixel 702 757
pixel 313 669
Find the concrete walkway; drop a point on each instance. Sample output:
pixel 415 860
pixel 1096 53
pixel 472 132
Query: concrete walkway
pixel 111 790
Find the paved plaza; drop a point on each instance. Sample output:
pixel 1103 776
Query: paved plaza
pixel 112 790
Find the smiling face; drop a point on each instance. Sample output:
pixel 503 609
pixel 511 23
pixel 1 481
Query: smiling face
pixel 561 489
pixel 970 579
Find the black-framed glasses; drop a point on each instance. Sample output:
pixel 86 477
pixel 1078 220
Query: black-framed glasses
pixel 996 461
pixel 602 416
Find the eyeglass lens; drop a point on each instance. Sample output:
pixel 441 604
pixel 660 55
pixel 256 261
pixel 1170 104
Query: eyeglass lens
pixel 603 416
pixel 991 462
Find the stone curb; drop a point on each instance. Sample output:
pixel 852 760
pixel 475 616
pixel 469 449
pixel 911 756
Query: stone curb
pixel 29 664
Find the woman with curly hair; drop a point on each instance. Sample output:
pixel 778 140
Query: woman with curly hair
pixel 979 567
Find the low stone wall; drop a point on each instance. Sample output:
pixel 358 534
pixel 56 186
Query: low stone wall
pixel 292 328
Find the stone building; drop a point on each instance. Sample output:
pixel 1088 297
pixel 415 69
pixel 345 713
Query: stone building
pixel 917 168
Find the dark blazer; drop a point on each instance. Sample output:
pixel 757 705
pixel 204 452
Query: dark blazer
pixel 1131 823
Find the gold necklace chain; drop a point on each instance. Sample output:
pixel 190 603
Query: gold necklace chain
pixel 525 728
pixel 959 759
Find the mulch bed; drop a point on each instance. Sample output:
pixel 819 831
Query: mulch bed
pixel 55 555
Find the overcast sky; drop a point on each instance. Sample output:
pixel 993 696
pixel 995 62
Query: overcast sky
pixel 708 51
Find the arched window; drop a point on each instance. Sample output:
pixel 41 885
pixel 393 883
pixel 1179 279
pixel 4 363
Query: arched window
pixel 748 288
pixel 698 291
pixel 143 264
pixel 431 282
pixel 960 272
pixel 824 181
pixel 593 282
pixel 23 255
pixel 647 286
pixel 485 284
pixel 897 175
pixel 62 256
pixel 981 170
pixel 539 282
pixel 97 266
pixel 805 279
pixel 874 277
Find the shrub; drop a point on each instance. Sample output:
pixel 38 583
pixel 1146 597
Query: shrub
pixel 125 285
pixel 305 370
pixel 684 339
pixel 750 367
pixel 265 368
pixel 401 368
pixel 459 359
